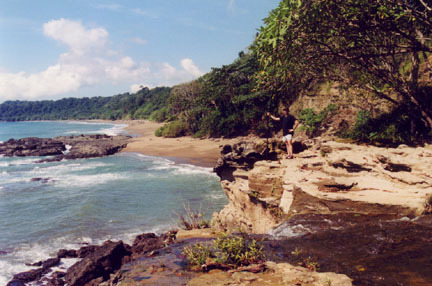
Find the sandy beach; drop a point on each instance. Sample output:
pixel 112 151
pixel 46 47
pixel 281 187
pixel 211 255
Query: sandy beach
pixel 202 152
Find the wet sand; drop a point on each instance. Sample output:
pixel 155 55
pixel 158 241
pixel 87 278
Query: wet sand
pixel 201 152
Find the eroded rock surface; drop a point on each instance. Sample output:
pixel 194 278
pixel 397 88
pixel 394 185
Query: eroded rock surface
pixel 329 177
pixel 65 147
pixel 276 274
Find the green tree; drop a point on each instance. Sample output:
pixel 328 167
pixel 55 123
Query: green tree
pixel 382 46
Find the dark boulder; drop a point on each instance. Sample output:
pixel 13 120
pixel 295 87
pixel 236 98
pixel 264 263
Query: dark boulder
pixel 84 146
pixel 32 146
pixel 16 283
pixel 101 263
pixel 86 250
pixel 67 253
pixel 145 243
pixel 28 276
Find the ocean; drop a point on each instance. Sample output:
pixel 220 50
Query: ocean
pixel 48 206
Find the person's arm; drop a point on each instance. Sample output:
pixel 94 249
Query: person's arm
pixel 296 124
pixel 273 117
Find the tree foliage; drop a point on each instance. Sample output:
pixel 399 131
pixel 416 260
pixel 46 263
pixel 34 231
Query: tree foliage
pixel 382 46
pixel 141 105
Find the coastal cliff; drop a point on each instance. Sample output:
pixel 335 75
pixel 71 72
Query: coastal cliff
pixel 326 178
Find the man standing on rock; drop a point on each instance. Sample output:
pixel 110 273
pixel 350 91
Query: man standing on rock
pixel 289 125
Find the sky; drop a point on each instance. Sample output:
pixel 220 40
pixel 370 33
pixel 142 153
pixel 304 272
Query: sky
pixel 50 49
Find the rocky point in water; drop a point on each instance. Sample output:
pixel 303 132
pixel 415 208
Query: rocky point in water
pixel 65 147
pixel 96 264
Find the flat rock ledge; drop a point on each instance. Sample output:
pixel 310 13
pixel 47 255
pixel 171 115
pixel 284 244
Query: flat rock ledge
pixel 328 177
pixel 64 147
pixel 276 274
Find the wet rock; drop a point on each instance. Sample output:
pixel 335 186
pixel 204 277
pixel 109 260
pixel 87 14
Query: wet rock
pixel 32 146
pixel 90 146
pixel 67 253
pixel 16 283
pixel 51 262
pixel 145 243
pixel 372 250
pixel 99 264
pixel 42 180
pixel 84 146
pixel 86 250
pixel 35 274
pixel 28 276
pixel 56 279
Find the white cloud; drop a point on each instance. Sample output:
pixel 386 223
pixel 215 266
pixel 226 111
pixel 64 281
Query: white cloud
pixel 190 67
pixel 111 7
pixel 75 35
pixel 139 41
pixel 137 87
pixel 145 13
pixel 89 61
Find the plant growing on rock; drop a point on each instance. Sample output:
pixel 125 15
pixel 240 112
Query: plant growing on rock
pixel 309 264
pixel 198 254
pixel 237 250
pixel 192 219
pixel 226 252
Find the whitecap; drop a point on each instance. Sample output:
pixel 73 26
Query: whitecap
pixel 186 169
pixel 4 164
pixel 113 131
pixel 20 162
pixel 87 180
pixel 14 261
pixel 68 148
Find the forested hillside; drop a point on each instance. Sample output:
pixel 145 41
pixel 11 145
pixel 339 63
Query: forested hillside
pixel 368 49
pixel 123 106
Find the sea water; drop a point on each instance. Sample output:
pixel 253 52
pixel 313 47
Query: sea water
pixel 48 206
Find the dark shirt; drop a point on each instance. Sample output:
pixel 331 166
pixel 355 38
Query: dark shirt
pixel 287 124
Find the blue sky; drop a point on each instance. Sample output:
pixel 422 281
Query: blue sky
pixel 51 49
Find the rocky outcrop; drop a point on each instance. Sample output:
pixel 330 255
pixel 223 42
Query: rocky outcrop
pixel 65 147
pixel 276 274
pixel 96 262
pixel 35 274
pixel 98 265
pixel 32 146
pixel 90 146
pixel 329 177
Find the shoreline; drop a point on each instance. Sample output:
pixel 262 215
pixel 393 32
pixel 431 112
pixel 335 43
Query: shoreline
pixel 182 150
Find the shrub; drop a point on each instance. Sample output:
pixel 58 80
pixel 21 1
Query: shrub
pixel 198 254
pixel 158 132
pixel 237 250
pixel 173 129
pixel 192 219
pixel 160 115
pixel 312 121
pixel 390 128
pixel 225 251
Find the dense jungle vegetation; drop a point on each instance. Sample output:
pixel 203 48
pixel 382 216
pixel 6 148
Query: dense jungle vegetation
pixel 381 47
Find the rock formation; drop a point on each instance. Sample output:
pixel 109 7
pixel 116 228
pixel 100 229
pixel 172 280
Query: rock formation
pixel 329 177
pixel 65 147
pixel 96 264
pixel 276 274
